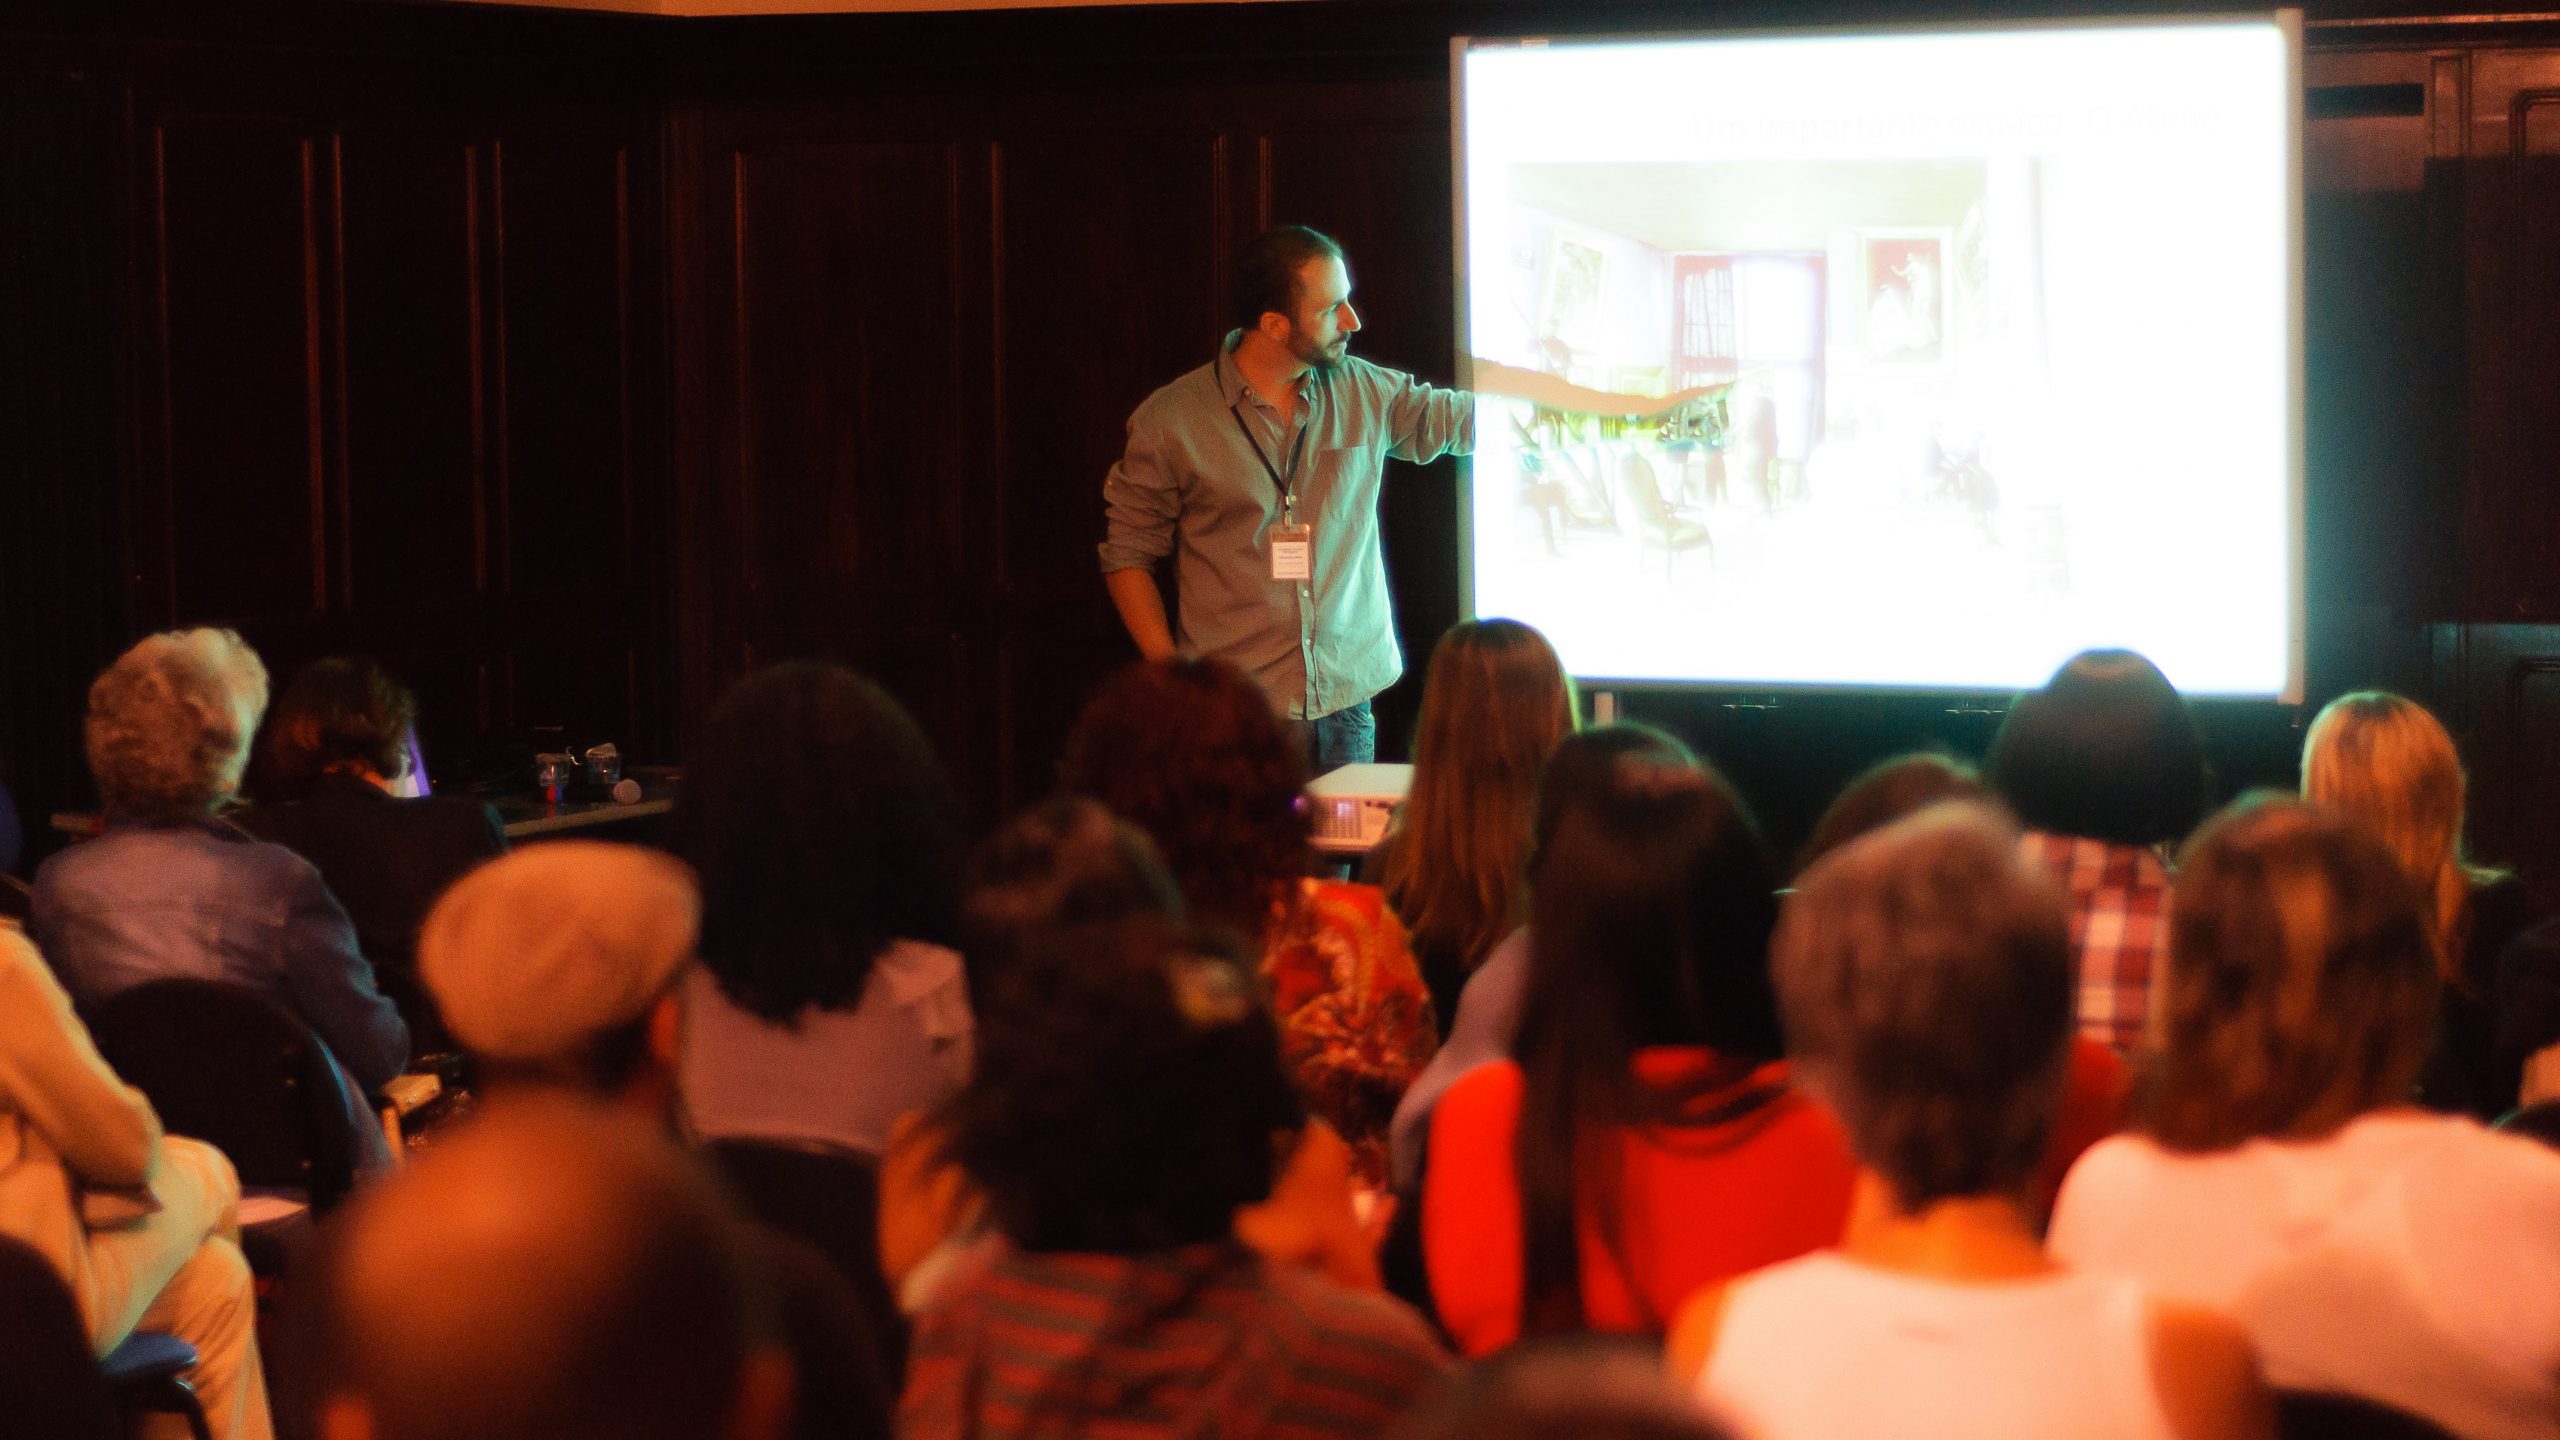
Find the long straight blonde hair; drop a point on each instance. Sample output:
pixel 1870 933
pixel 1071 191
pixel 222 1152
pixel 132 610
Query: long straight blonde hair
pixel 2384 764
pixel 1495 705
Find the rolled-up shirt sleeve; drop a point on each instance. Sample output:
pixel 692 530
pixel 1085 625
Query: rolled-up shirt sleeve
pixel 1141 503
pixel 1425 421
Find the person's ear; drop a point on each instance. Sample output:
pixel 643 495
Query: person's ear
pixel 1274 327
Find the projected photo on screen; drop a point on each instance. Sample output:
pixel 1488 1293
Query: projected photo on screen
pixel 1991 340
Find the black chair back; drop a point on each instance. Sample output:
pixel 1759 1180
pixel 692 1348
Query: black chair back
pixel 232 1067
pixel 2310 1415
pixel 49 1380
pixel 831 1199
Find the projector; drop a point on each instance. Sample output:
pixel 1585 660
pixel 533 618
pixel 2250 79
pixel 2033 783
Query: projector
pixel 1353 804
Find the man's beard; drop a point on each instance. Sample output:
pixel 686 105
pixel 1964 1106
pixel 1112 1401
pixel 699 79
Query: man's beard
pixel 1325 357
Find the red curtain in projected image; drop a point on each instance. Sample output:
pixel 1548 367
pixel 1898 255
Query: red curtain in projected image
pixel 1761 315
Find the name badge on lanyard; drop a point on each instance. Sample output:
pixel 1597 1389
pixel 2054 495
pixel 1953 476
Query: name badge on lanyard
pixel 1293 547
pixel 1293 552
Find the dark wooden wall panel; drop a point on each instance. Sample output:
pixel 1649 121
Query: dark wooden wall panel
pixel 235 237
pixel 860 414
pixel 409 333
pixel 570 470
pixel 1132 287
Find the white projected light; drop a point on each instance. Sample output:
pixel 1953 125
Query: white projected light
pixel 1995 339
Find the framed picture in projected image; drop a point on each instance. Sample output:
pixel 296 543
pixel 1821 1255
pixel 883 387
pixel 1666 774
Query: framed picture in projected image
pixel 1907 314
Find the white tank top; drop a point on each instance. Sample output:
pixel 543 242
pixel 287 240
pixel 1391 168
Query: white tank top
pixel 1824 1347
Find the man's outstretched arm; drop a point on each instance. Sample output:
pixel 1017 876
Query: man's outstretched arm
pixel 1141 607
pixel 1494 378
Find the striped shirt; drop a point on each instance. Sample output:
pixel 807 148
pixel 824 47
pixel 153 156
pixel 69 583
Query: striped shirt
pixel 2119 929
pixel 1208 1342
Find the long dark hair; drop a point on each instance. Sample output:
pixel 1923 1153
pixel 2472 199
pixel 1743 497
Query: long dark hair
pixel 1651 902
pixel 818 819
pixel 1496 703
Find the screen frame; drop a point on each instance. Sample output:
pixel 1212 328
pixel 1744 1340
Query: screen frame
pixel 2287 22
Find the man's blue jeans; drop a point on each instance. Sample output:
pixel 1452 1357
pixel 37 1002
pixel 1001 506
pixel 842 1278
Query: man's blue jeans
pixel 1346 737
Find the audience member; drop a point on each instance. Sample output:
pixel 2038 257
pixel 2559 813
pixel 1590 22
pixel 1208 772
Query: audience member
pixel 2371 1248
pixel 2385 764
pixel 1066 861
pixel 2097 1089
pixel 558 968
pixel 1454 864
pixel 1565 1387
pixel 1488 1017
pixel 169 890
pixel 1192 753
pixel 1128 1093
pixel 1884 792
pixel 828 1002
pixel 1646 1141
pixel 555 1272
pixel 335 784
pixel 1069 862
pixel 1925 973
pixel 2104 768
pixel 139 1227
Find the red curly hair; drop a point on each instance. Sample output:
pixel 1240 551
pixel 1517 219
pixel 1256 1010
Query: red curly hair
pixel 1192 753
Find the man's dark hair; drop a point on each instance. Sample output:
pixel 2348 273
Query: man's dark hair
pixel 1129 1087
pixel 1266 275
pixel 817 818
pixel 2105 750
pixel 345 710
pixel 1065 861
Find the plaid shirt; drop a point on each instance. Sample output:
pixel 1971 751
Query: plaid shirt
pixel 2119 929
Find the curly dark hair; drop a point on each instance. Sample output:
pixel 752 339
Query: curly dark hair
pixel 1064 861
pixel 2105 750
pixel 823 832
pixel 1191 752
pixel 344 710
pixel 1129 1088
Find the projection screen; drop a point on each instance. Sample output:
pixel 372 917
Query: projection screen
pixel 1967 350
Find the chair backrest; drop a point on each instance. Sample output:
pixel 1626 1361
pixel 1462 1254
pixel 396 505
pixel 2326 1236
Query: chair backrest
pixel 831 1199
pixel 2310 1415
pixel 49 1380
pixel 232 1067
pixel 1637 482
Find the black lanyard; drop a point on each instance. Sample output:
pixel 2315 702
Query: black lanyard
pixel 1297 450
